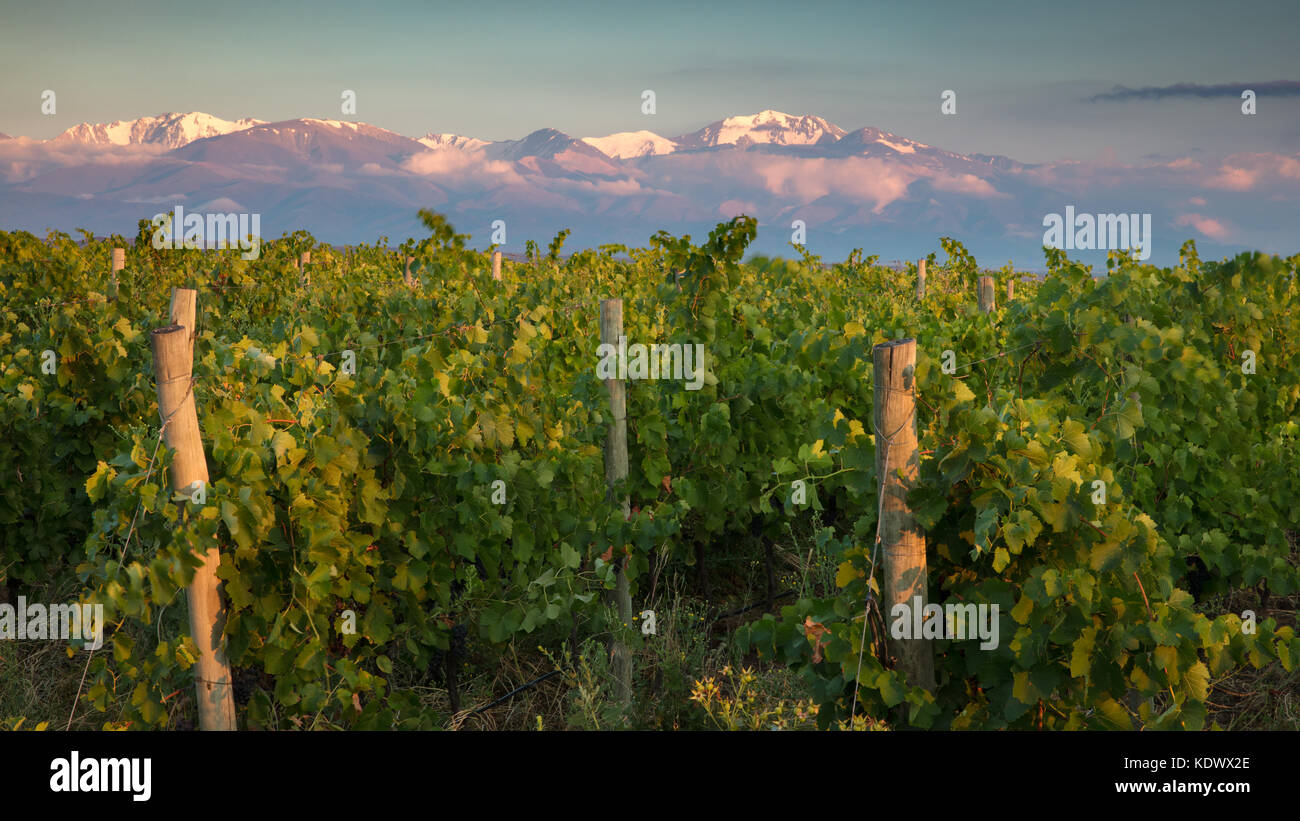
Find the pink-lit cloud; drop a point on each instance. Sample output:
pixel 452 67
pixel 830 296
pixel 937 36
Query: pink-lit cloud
pixel 1243 172
pixel 459 165
pixel 966 184
pixel 22 158
pixel 1233 178
pixel 1208 226
pixel 857 178
pixel 734 208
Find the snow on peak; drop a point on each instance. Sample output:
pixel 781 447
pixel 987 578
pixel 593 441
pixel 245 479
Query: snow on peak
pixel 171 130
pixel 630 144
pixel 767 126
pixel 437 141
pixel 333 123
pixel 904 147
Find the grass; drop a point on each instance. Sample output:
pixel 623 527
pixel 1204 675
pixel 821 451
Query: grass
pixel 1249 699
pixel 688 676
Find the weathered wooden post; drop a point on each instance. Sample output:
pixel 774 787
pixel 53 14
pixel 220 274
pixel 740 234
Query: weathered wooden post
pixel 184 312
pixel 173 355
pixel 986 300
pixel 119 262
pixel 920 279
pixel 303 261
pixel 611 328
pixel 902 543
pixel 1011 290
pixel 406 273
pixel 496 265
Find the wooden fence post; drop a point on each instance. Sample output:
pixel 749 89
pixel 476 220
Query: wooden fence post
pixel 173 355
pixel 920 279
pixel 496 265
pixel 611 329
pixel 902 543
pixel 303 262
pixel 1011 290
pixel 986 300
pixel 119 262
pixel 183 312
pixel 406 273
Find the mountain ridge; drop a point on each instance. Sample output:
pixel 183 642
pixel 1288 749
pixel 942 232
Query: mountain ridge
pixel 867 188
pixel 768 127
pixel 171 130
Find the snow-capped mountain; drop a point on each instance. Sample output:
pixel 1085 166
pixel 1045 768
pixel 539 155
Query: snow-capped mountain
pixel 631 144
pixel 167 130
pixel 545 142
pixel 439 141
pixel 874 143
pixel 772 127
pixel 867 141
pixel 307 143
pixel 998 161
pixel 554 153
pixel 342 125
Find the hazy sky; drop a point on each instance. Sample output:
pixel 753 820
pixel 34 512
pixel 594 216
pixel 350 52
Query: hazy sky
pixel 1024 73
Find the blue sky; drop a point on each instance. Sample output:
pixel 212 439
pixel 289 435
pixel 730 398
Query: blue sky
pixel 1023 72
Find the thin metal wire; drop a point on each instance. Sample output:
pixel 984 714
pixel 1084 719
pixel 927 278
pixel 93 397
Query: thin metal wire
pixel 449 329
pixel 92 298
pixel 999 354
pixel 126 543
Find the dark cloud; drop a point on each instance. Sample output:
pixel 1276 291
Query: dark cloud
pixel 1275 88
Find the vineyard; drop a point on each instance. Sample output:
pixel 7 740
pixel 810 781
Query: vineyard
pixel 418 527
